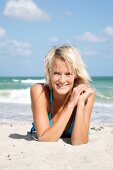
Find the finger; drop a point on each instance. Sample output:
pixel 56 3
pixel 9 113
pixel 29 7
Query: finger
pixel 80 87
pixel 87 93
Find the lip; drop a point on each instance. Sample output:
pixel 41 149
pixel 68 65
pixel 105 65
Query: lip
pixel 62 86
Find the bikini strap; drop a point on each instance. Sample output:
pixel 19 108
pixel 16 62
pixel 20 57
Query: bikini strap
pixel 51 100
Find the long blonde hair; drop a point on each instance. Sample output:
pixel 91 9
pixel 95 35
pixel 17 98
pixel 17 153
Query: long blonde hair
pixel 72 56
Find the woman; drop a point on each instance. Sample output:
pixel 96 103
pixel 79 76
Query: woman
pixel 63 106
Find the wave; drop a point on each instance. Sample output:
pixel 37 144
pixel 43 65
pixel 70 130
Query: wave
pixel 105 95
pixel 23 96
pixel 103 104
pixel 15 80
pixel 15 96
pixel 31 81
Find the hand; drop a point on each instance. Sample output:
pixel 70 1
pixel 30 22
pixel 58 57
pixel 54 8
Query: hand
pixel 77 94
pixel 87 92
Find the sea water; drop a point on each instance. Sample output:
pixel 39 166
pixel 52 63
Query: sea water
pixel 15 98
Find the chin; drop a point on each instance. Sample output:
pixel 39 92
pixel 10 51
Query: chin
pixel 62 91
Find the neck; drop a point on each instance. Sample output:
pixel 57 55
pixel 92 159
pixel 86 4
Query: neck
pixel 60 99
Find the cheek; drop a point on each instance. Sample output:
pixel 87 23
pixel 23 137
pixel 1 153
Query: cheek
pixel 53 79
pixel 71 79
pixel 56 78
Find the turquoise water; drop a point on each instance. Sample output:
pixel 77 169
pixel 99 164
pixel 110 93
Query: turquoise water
pixel 104 88
pixel 15 98
pixel 12 86
pixel 17 82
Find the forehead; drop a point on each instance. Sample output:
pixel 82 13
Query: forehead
pixel 61 65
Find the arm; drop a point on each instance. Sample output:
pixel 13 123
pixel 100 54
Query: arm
pixel 83 114
pixel 54 132
pixel 40 102
pixel 39 108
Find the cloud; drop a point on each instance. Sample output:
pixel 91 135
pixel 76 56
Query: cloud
pixel 106 34
pixel 108 31
pixel 26 10
pixel 54 39
pixel 15 48
pixel 89 52
pixel 89 37
pixel 2 32
pixel 68 13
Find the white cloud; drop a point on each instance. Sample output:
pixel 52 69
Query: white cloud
pixel 15 48
pixel 25 9
pixel 89 52
pixel 68 13
pixel 89 37
pixel 65 15
pixel 54 39
pixel 108 31
pixel 2 32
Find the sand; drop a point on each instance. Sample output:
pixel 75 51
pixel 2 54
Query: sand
pixel 18 151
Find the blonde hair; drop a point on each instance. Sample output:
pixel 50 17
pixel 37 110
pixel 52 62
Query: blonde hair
pixel 70 55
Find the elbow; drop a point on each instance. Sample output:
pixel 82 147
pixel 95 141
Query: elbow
pixel 41 139
pixel 47 137
pixel 79 142
pixel 44 139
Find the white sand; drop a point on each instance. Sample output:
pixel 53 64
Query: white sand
pixel 19 152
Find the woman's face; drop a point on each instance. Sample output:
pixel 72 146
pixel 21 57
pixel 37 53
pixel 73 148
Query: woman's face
pixel 62 77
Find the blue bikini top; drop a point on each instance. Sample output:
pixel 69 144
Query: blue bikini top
pixel 69 130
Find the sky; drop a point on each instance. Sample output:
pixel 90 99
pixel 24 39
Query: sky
pixel 30 28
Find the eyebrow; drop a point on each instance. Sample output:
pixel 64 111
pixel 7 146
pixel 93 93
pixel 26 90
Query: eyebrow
pixel 68 72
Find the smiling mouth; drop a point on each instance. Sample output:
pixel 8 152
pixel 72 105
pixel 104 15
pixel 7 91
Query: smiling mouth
pixel 62 86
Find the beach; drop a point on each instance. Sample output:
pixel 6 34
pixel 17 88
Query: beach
pixel 18 150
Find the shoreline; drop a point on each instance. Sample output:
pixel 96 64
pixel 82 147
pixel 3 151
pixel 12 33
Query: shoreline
pixel 22 111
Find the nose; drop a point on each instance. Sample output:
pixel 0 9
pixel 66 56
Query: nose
pixel 62 79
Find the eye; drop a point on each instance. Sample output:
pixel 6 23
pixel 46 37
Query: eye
pixel 68 74
pixel 56 73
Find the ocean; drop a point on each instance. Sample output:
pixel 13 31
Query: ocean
pixel 15 98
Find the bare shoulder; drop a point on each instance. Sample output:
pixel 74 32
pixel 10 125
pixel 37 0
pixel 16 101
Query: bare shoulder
pixel 37 88
pixel 39 91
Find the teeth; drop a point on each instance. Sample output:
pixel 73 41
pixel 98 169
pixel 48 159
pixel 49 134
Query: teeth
pixel 61 85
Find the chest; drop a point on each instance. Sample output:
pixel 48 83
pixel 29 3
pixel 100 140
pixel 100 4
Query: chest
pixel 56 111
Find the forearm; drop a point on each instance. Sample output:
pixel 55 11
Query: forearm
pixel 54 132
pixel 80 132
